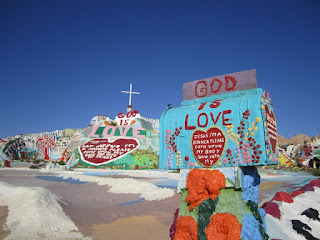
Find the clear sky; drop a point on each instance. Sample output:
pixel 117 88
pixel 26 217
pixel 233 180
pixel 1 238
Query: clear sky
pixel 63 62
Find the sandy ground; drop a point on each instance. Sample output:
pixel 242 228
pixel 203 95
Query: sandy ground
pixel 100 214
pixel 3 216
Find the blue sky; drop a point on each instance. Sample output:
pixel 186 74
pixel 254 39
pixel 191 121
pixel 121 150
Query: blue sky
pixel 64 62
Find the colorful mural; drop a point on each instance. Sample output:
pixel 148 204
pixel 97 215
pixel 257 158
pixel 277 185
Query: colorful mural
pixel 219 204
pixel 217 140
pixel 106 143
pixel 236 129
pixel 117 144
pixel 12 147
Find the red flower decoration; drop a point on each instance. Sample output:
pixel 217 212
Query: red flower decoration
pixel 223 226
pixel 187 228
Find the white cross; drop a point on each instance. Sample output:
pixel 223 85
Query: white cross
pixel 130 92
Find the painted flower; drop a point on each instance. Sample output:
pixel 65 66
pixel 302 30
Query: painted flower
pixel 223 226
pixel 203 184
pixel 187 228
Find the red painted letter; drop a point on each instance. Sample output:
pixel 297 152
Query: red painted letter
pixel 201 90
pixel 212 117
pixel 202 106
pixel 203 114
pixel 212 84
pixel 120 115
pixel 233 80
pixel 224 120
pixel 186 124
pixel 215 104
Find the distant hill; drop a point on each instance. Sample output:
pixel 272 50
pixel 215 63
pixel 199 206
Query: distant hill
pixel 297 139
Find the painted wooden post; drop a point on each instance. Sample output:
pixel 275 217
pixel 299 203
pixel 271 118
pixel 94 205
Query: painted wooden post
pixel 224 128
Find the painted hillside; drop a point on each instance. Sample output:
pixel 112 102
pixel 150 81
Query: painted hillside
pixel 127 142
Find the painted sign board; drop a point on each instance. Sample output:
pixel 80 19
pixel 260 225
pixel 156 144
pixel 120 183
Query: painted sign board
pixel 235 129
pixel 102 151
pixel 127 119
pixel 220 85
pixel 124 147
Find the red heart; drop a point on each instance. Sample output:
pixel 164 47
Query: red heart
pixel 209 146
pixel 101 151
pixel 272 128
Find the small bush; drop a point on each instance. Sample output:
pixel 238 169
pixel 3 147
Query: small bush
pixel 37 161
pixel 34 166
pixel 61 163
pixel 315 172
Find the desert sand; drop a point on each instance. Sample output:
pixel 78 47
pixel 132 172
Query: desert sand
pixel 42 204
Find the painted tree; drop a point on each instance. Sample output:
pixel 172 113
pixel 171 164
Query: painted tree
pixel 45 143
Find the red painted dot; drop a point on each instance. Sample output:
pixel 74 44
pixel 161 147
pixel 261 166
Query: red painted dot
pixel 186 158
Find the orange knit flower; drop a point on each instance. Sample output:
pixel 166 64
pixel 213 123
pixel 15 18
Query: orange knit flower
pixel 223 226
pixel 203 184
pixel 187 228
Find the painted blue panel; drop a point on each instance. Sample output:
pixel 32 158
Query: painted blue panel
pixel 235 129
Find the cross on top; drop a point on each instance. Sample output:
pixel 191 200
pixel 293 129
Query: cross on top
pixel 130 92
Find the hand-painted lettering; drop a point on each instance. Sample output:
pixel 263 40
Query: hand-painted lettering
pixel 217 118
pixel 234 83
pixel 224 119
pixel 201 89
pixel 106 133
pixel 186 126
pixel 93 131
pixel 206 120
pixel 215 104
pixel 203 119
pixel 136 132
pixel 120 115
pixel 218 88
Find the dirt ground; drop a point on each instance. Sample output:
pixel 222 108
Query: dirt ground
pixel 102 215
pixel 3 216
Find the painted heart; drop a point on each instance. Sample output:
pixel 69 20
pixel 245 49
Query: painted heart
pixel 272 128
pixel 101 151
pixel 208 147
